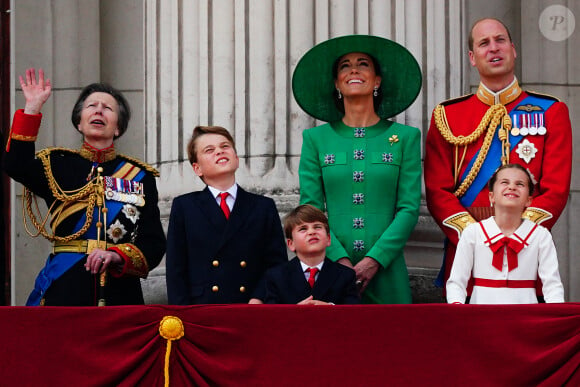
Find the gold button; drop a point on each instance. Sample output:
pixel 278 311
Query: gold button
pixel 242 289
pixel 215 263
pixel 243 263
pixel 215 288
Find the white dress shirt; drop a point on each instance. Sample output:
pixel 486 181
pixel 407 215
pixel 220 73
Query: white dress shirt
pixel 230 200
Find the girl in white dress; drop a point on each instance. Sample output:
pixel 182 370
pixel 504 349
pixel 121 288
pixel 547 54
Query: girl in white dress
pixel 505 254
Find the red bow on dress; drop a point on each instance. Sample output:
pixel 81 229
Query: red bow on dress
pixel 513 248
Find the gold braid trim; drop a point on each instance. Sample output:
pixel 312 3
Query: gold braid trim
pixel 40 226
pixel 459 221
pixel 490 121
pixel 135 262
pixel 88 194
pixel 536 215
pixel 21 137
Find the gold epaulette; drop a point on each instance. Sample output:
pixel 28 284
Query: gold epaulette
pixel 49 150
pixel 536 215
pixel 459 221
pixel 141 164
pixel 542 95
pixel 456 99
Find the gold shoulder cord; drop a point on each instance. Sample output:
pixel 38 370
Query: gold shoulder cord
pixel 88 194
pixel 492 118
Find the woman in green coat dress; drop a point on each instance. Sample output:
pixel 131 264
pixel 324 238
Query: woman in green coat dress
pixel 361 168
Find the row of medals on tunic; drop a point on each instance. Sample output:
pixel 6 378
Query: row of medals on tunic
pixel 527 125
pixel 124 191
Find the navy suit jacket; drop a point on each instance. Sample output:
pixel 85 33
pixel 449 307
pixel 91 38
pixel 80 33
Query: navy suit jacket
pixel 286 284
pixel 214 260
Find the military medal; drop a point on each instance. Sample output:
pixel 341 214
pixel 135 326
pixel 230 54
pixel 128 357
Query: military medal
pixel 524 129
pixel 534 127
pixel 515 130
pixel 125 191
pixel 542 129
pixel 526 150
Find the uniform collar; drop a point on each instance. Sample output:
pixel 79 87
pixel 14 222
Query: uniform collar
pixel 97 155
pixel 505 96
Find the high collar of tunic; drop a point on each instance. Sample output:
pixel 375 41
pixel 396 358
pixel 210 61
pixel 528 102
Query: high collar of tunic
pixel 366 131
pixel 505 96
pixel 98 155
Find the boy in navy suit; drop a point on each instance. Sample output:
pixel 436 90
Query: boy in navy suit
pixel 221 240
pixel 310 278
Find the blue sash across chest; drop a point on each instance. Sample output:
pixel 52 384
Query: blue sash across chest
pixel 60 263
pixel 493 159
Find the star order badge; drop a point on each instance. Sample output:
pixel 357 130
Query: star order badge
pixel 131 212
pixel 526 150
pixel 116 231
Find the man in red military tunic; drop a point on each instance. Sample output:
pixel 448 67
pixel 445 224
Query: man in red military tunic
pixel 471 136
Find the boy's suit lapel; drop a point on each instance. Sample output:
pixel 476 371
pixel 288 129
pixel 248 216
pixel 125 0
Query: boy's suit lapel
pixel 324 282
pixel 226 228
pixel 297 279
pixel 214 214
pixel 211 210
pixel 326 279
pixel 239 215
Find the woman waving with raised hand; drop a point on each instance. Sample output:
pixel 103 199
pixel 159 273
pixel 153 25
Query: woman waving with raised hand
pixel 102 206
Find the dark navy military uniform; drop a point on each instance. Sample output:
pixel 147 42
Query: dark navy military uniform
pixel 133 229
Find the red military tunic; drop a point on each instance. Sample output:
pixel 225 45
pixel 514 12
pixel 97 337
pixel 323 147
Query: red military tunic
pixel 550 166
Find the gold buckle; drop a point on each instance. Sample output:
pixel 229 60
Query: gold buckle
pixel 92 244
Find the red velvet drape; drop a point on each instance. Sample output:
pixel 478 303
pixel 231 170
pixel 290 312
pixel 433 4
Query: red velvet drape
pixel 251 345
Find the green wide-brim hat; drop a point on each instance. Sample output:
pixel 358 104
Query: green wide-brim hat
pixel 313 84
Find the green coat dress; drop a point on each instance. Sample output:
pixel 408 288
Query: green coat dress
pixel 368 180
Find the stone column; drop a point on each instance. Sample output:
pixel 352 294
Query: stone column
pixel 63 38
pixel 549 56
pixel 230 63
pixel 547 62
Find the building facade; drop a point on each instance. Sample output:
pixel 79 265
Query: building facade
pixel 183 63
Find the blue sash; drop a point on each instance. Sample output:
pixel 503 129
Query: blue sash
pixel 60 263
pixel 493 159
pixel 489 166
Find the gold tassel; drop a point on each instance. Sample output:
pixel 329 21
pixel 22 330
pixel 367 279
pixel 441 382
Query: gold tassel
pixel 170 328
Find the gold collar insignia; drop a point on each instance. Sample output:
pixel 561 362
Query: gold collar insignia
pixel 98 155
pixel 505 96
